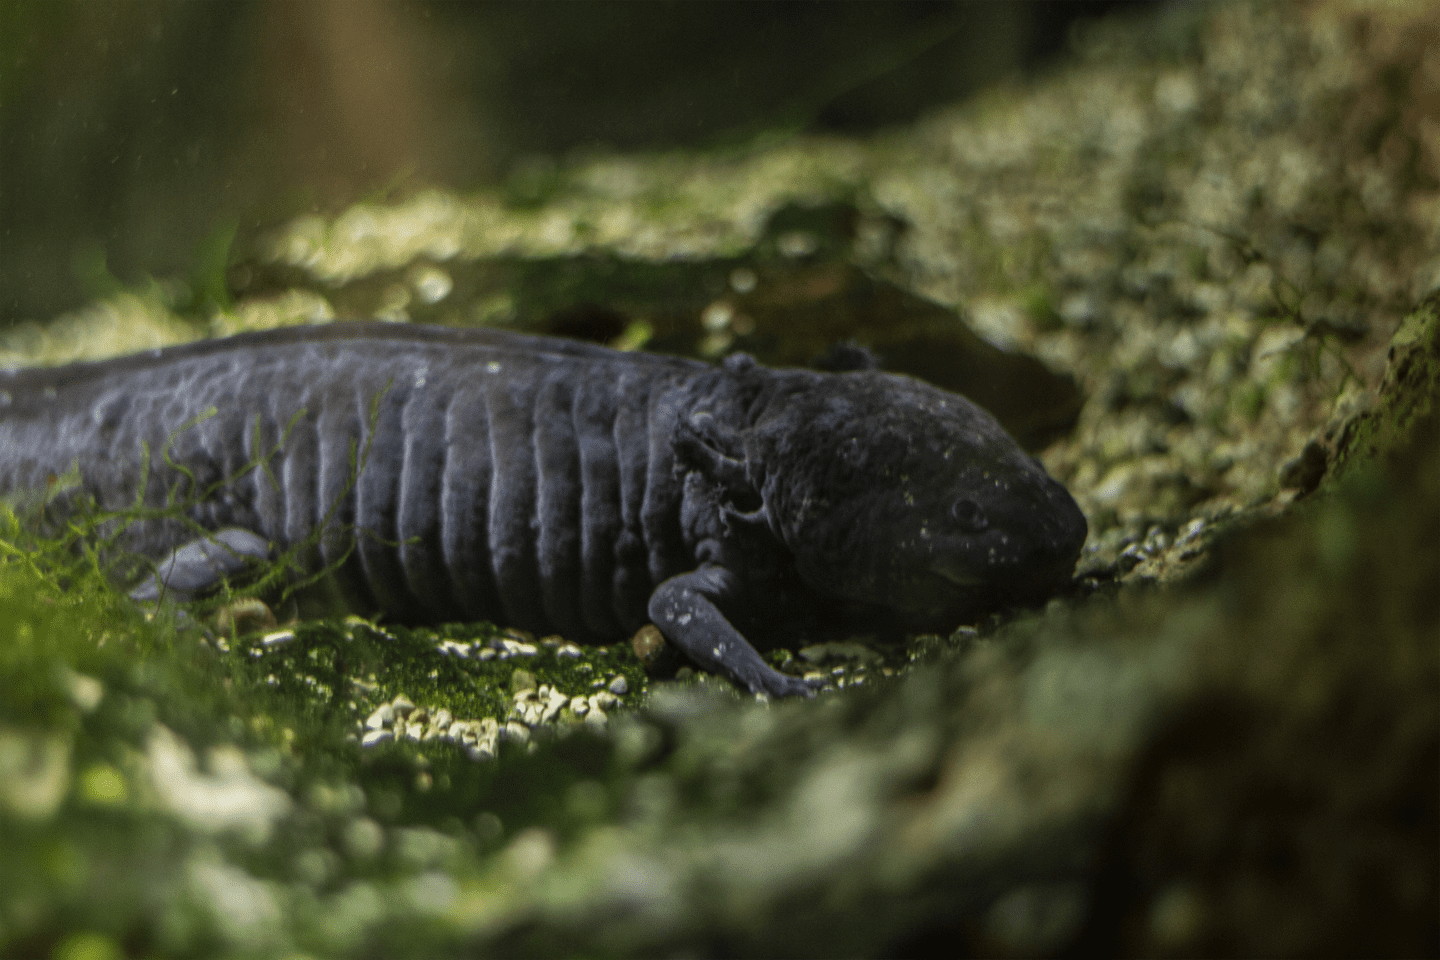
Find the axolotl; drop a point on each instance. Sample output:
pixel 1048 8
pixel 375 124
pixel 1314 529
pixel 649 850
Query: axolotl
pixel 556 486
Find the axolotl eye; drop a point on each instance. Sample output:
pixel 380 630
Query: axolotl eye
pixel 969 516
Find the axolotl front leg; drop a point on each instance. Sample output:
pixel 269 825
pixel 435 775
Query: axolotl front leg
pixel 685 609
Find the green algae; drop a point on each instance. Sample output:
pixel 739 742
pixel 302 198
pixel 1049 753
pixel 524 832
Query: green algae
pixel 1407 396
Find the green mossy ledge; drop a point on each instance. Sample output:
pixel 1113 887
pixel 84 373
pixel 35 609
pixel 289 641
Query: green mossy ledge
pixel 1408 394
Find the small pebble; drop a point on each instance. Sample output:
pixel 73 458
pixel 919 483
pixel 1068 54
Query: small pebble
pixel 443 717
pixel 579 706
pixel 647 642
pixel 1190 531
pixel 374 737
pixel 402 705
pixel 596 718
pixel 247 615
pixel 85 692
pixel 568 650
pixel 619 687
pixel 516 732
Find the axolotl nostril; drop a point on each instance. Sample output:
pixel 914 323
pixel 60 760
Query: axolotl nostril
pixel 553 485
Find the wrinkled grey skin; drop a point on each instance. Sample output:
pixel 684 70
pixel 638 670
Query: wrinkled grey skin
pixel 558 486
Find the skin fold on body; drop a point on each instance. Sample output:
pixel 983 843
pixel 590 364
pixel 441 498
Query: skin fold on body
pixel 555 486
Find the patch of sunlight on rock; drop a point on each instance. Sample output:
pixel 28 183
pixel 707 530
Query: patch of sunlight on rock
pixel 291 309
pixel 229 797
pixel 429 892
pixel 127 322
pixel 34 773
pixel 347 915
pixel 87 946
pixel 244 908
pixel 654 206
pixel 102 784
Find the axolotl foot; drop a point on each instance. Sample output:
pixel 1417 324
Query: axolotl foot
pixel 683 608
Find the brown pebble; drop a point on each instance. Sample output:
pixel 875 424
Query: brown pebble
pixel 659 658
pixel 246 615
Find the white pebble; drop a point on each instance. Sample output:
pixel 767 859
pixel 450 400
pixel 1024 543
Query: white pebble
pixel 277 639
pixel 596 718
pixel 568 650
pixel 373 737
pixel 383 716
pixel 579 706
pixel 516 732
pixel 556 703
pixel 619 687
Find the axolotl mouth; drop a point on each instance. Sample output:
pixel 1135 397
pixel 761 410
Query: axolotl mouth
pixel 952 593
pixel 894 494
pixel 1008 538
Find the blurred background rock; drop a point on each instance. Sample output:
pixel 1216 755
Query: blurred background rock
pixel 137 138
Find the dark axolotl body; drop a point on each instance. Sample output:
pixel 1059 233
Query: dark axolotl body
pixel 558 486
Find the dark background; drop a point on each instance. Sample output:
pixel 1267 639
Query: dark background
pixel 138 138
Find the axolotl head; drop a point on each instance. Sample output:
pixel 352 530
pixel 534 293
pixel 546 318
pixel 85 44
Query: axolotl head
pixel 892 492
